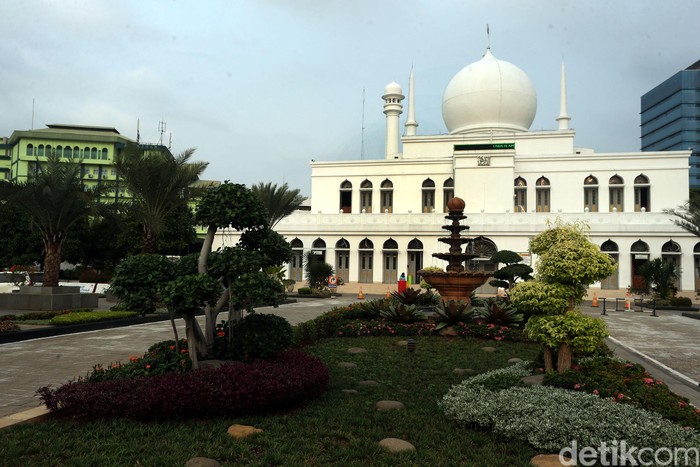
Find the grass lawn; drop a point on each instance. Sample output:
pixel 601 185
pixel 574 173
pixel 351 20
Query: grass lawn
pixel 337 429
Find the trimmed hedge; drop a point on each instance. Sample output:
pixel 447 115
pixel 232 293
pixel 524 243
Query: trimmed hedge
pixel 39 315
pixel 231 390
pixel 90 317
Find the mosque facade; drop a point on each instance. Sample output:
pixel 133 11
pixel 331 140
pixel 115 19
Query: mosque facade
pixel 375 219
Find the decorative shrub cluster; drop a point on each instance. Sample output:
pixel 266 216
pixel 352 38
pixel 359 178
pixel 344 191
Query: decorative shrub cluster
pixel 255 336
pixel 161 358
pixel 8 326
pixel 681 301
pixel 231 390
pixel 358 328
pixel 550 418
pixel 89 316
pixel 490 332
pixel 627 383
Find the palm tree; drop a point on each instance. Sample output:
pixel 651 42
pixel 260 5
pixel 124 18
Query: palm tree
pixel 158 183
pixel 279 201
pixel 55 199
pixel 687 216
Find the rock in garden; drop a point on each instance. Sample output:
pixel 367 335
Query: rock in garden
pixel 368 382
pixel 396 445
pixel 347 365
pixel 202 462
pixel 448 331
pixel 356 350
pixel 534 380
pixel 350 391
pixel 385 406
pixel 402 343
pixel 515 360
pixel 463 371
pixel 489 349
pixel 242 431
pixel 547 460
pixel 210 363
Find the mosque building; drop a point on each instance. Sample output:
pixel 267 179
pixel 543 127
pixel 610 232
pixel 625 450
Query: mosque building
pixel 375 219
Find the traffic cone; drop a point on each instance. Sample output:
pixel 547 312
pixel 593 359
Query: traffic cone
pixel 627 303
pixel 595 300
pixel 359 295
pixel 388 292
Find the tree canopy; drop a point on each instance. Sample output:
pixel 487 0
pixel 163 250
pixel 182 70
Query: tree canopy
pixel 279 201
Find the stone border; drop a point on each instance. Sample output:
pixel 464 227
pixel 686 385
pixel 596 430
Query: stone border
pixel 27 416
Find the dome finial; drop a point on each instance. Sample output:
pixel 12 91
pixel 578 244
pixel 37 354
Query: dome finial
pixel 488 37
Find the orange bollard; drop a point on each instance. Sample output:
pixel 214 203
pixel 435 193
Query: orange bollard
pixel 359 295
pixel 388 292
pixel 595 300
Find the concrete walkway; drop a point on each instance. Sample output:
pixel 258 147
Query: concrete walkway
pixel 668 344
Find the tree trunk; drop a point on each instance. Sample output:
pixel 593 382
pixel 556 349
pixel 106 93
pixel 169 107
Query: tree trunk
pixel 149 241
pixel 191 340
pixel 52 262
pixel 564 358
pixel 548 358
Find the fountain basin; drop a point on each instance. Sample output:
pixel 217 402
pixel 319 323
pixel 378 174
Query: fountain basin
pixel 455 285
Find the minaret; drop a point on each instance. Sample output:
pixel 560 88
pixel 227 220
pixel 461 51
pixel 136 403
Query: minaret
pixel 563 118
pixel 392 109
pixel 411 123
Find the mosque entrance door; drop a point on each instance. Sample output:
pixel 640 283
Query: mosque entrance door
pixel 390 274
pixel 366 271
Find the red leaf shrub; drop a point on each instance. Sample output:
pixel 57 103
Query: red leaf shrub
pixel 231 390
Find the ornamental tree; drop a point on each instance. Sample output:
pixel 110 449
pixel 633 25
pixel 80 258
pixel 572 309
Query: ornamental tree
pixel 568 263
pixel 512 272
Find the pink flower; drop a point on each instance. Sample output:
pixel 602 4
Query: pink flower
pixel 595 391
pixel 491 326
pixel 620 396
pixel 498 338
pixel 649 381
pixel 629 365
pixel 682 404
pixel 577 386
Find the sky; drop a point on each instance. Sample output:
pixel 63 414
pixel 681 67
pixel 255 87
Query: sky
pixel 262 87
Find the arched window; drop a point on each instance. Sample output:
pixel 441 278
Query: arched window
pixel 59 151
pixel 366 244
pixel 639 247
pixel 93 153
pixel 428 199
pixel 366 261
pixel 366 196
pixel 542 200
pixel 612 281
pixel 642 201
pixel 609 246
pixel 319 244
pixel 640 256
pixel 104 154
pixel 415 244
pixel 590 194
pixel 390 245
pixel 386 195
pixel 415 260
pixel 342 244
pixel 296 263
pixel 696 260
pixel 617 189
pixel 48 150
pixel 448 192
pixel 671 253
pixel 30 149
pixel 520 195
pixel 671 247
pixel 40 150
pixel 390 253
pixel 68 152
pixel 346 196
pixel 318 249
pixel 296 244
pixel 86 153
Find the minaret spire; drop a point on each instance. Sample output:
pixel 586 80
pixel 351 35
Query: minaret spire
pixel 563 118
pixel 411 123
pixel 392 109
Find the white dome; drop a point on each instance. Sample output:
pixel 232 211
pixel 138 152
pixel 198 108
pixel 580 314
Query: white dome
pixel 392 88
pixel 490 94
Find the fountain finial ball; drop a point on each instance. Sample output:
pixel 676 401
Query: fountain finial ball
pixel 456 204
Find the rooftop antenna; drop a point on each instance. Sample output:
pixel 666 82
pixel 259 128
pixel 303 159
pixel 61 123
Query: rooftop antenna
pixel 138 130
pixel 161 128
pixel 362 142
pixel 488 37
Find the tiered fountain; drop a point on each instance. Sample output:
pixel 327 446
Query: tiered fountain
pixel 456 283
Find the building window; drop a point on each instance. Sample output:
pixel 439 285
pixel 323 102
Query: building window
pixel 68 152
pixel 617 188
pixel 366 196
pixel 428 199
pixel 386 195
pixel 59 151
pixel 93 153
pixel 590 194
pixel 542 201
pixel 641 194
pixel 520 195
pixel 40 150
pixel 86 154
pixel 448 192
pixel 104 154
pixel 30 149
pixel 346 197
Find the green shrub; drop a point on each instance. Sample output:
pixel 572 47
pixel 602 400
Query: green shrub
pixel 8 326
pixel 549 418
pixel 360 328
pixel 38 315
pixel 304 290
pixel 161 358
pixel 416 297
pixel 498 311
pixel 137 281
pixel 453 312
pixel 80 317
pixel 681 301
pixel 503 378
pixel 257 336
pixel 403 314
pixel 627 383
